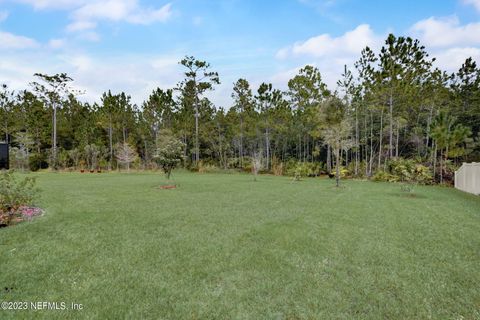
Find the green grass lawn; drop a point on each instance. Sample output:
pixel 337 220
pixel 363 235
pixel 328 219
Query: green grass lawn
pixel 225 247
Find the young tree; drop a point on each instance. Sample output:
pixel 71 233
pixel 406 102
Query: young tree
pixel 75 155
pixel 169 151
pixel 336 131
pixel 126 154
pixel 92 153
pixel 25 142
pixel 52 90
pixel 256 164
pixel 200 79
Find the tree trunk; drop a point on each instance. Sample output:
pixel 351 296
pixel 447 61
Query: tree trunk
pixel 337 164
pixel 54 144
pixel 110 140
pixel 370 162
pixel 390 143
pixel 366 144
pixel 429 121
pixel 381 140
pixel 197 150
pixel 147 159
pixel 397 139
pixel 357 146
pixel 267 146
pixel 329 162
pixel 241 141
pixel 441 166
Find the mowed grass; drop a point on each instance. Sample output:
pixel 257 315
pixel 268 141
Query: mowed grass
pixel 225 247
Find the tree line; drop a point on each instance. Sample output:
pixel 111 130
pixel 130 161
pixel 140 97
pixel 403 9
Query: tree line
pixel 395 104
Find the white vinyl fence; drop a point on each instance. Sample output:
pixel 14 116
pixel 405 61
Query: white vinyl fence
pixel 467 178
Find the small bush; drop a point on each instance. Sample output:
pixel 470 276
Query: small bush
pixel 277 167
pixel 14 194
pixel 203 167
pixel 303 169
pixel 385 177
pixel 405 170
pixel 38 161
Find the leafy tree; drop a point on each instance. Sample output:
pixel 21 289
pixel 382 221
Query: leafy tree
pixel 169 151
pixel 447 136
pixel 306 91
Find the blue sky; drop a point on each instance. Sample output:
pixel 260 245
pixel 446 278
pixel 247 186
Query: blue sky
pixel 135 45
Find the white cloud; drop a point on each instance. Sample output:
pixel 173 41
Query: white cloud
pixel 151 15
pixel 85 14
pixel 136 75
pixel 56 43
pixel 12 41
pixel 446 32
pixel 329 54
pixel 475 3
pixel 81 26
pixel 53 4
pixel 451 59
pixel 108 10
pixel 352 42
pixel 448 40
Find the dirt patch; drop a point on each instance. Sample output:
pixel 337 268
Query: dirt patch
pixel 168 187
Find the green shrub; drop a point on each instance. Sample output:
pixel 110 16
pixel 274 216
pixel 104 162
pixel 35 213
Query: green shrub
pixel 385 177
pixel 405 170
pixel 423 174
pixel 38 161
pixel 303 169
pixel 13 195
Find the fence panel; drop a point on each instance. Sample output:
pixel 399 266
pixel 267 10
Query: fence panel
pixel 467 178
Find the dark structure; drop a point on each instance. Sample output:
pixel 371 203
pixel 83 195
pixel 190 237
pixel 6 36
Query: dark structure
pixel 4 156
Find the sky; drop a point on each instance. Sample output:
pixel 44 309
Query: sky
pixel 135 45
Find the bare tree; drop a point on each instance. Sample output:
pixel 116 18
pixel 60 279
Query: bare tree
pixel 126 154
pixel 25 142
pixel 337 136
pixel 256 164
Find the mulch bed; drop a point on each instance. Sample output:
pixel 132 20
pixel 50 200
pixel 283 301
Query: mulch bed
pixel 168 187
pixel 23 213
